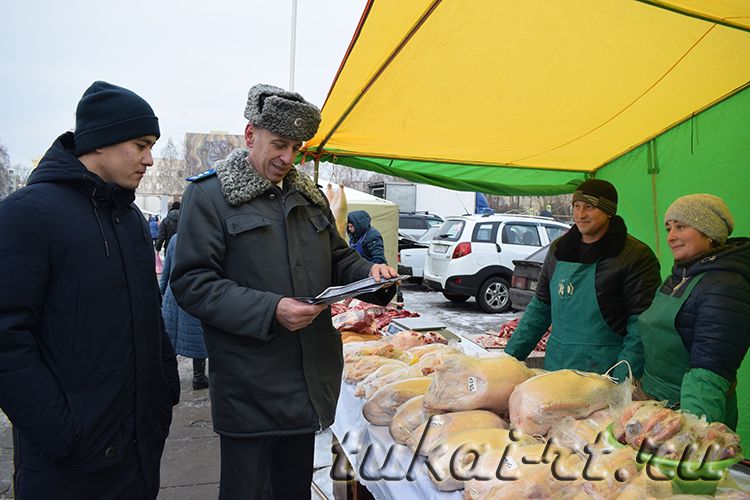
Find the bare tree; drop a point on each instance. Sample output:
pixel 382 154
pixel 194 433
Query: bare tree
pixel 350 177
pixel 6 185
pixel 172 169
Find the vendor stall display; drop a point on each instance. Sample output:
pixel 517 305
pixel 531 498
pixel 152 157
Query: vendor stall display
pixel 418 418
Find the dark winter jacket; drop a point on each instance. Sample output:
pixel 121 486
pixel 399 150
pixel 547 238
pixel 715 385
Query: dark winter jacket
pixel 245 244
pixel 366 239
pixel 713 321
pixel 85 365
pixel 167 228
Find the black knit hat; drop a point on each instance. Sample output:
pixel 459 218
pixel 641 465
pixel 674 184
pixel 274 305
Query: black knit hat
pixel 108 114
pixel 598 193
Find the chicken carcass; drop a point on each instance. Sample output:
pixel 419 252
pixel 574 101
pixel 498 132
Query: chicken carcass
pixel 407 419
pixel 523 471
pixel 362 367
pixel 455 457
pixel 381 407
pixel 540 402
pixel 653 428
pixel 439 426
pixel 471 383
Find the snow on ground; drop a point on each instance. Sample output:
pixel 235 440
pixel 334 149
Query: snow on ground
pixel 463 318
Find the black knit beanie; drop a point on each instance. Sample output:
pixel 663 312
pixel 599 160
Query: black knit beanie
pixel 598 193
pixel 108 114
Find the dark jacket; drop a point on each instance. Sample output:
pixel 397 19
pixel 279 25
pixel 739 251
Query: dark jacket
pixel 713 321
pixel 244 244
pixel 85 364
pixel 367 237
pixel 167 228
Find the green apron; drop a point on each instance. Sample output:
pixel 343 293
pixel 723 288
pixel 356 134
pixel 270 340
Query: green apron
pixel 667 361
pixel 580 338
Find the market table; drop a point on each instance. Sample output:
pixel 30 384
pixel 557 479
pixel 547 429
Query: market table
pixel 366 447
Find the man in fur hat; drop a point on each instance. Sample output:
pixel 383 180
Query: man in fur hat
pixel 254 234
pixel 594 283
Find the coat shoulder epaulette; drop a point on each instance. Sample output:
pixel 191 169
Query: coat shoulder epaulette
pixel 203 175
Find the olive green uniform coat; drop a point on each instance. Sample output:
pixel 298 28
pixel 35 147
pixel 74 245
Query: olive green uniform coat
pixel 243 244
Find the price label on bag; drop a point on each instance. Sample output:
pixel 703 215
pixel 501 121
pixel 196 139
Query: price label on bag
pixel 472 382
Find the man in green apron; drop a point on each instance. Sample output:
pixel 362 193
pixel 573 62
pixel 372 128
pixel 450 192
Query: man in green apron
pixel 594 283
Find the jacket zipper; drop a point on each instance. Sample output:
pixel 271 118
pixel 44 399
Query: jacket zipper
pixel 679 285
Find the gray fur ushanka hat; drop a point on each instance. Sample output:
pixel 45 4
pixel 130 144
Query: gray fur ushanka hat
pixel 284 113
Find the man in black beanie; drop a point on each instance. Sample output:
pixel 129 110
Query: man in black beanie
pixel 88 376
pixel 595 282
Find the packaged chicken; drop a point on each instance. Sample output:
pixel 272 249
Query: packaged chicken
pixel 469 383
pixel 653 428
pixel 381 407
pixel 455 457
pixel 439 426
pixel 540 402
pixel 416 354
pixel 361 349
pixel 644 487
pixel 576 434
pixel 385 374
pixel 349 336
pixel 362 367
pixel 523 471
pixel 407 419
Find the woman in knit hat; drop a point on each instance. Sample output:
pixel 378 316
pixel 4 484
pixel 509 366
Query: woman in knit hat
pixel 695 333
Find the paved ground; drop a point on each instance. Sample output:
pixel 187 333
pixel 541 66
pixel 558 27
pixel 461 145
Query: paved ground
pixel 190 465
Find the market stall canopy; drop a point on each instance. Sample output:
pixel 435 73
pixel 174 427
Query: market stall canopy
pixel 447 91
pixel 531 97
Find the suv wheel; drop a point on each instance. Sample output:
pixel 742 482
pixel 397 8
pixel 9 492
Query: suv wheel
pixel 493 295
pixel 455 297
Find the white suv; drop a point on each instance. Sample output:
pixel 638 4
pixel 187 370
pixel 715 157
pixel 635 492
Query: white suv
pixel 473 255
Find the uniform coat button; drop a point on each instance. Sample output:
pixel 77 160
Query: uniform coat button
pixel 110 453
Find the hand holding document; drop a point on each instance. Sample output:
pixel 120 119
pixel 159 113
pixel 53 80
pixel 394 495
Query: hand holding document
pixel 335 293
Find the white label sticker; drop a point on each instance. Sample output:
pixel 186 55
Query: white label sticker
pixel 472 384
pixel 509 463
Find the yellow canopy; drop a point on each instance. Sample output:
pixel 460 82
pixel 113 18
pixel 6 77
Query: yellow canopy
pixel 563 85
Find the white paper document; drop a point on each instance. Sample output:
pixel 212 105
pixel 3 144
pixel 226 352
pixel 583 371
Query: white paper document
pixel 335 293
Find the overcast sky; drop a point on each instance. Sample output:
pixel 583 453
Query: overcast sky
pixel 193 61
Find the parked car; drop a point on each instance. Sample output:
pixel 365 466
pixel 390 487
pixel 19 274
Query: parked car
pixel 473 255
pixel 525 278
pixel 411 257
pixel 415 224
